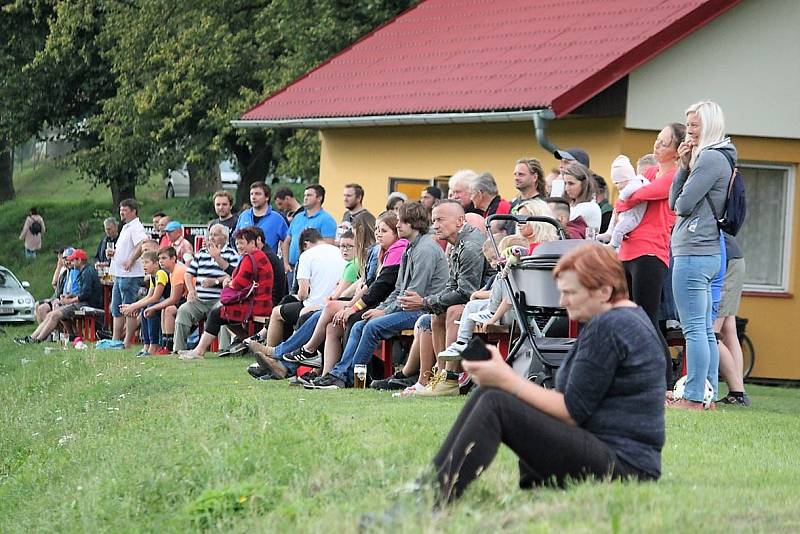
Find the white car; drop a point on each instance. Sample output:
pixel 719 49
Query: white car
pixel 16 304
pixel 178 180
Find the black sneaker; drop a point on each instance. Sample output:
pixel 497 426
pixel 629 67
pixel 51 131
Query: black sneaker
pixel 393 382
pixel 306 379
pixel 236 349
pixel 328 381
pixel 301 357
pixel 403 381
pixel 733 400
pixel 256 371
pixel 27 340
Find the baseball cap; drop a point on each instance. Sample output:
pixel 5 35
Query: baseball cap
pixel 67 253
pixel 78 254
pixel 173 225
pixel 576 154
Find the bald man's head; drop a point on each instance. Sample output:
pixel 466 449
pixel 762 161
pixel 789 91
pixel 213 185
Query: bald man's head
pixel 448 218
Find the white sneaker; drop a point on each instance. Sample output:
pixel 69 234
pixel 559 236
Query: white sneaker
pixel 482 316
pixel 453 352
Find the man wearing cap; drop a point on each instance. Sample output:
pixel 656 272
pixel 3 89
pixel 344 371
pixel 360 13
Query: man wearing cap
pixel 572 154
pixel 89 293
pixel 126 268
pixel 183 249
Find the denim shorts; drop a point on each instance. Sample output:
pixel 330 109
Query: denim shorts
pixel 125 291
pixel 424 323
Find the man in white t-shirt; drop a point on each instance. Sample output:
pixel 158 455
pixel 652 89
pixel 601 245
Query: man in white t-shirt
pixel 127 269
pixel 318 270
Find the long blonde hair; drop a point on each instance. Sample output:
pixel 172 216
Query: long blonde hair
pixel 364 232
pixel 712 126
pixel 541 231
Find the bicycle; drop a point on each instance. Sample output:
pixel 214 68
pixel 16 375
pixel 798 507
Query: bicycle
pixel 675 340
pixel 748 349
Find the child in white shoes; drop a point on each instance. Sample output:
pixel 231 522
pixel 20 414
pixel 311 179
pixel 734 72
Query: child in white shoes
pixel 481 309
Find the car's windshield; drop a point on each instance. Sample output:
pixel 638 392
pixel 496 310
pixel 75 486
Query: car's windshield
pixel 7 280
pixel 226 166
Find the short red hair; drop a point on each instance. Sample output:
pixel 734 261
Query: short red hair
pixel 596 266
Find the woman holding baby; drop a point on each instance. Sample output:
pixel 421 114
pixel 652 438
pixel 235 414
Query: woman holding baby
pixel 645 251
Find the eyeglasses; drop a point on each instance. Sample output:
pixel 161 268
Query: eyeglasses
pixel 347 247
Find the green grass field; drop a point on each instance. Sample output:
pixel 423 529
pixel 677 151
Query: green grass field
pixel 99 441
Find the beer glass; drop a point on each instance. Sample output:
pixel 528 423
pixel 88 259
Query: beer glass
pixel 360 376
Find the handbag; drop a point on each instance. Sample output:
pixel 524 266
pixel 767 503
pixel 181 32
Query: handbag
pixel 230 295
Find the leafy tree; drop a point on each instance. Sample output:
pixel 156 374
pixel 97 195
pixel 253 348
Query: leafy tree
pixel 23 27
pixel 141 86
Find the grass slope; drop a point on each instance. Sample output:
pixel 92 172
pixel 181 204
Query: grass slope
pixel 73 211
pixel 100 441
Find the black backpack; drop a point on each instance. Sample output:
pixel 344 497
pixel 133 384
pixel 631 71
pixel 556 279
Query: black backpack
pixel 35 227
pixel 732 217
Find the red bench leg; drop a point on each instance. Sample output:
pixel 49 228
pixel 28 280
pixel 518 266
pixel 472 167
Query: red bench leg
pixel 90 328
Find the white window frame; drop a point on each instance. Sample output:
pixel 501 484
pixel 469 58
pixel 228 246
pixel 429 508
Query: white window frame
pixel 788 226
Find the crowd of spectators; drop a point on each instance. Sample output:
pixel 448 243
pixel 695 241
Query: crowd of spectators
pixel 329 292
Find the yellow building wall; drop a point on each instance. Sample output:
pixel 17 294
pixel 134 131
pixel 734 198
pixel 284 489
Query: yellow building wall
pixel 369 156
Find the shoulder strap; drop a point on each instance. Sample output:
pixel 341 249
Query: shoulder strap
pixel 730 186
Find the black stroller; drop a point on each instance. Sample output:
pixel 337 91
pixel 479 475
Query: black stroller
pixel 544 338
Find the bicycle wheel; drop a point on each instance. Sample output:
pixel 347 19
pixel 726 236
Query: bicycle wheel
pixel 748 355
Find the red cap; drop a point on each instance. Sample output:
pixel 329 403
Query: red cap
pixel 79 254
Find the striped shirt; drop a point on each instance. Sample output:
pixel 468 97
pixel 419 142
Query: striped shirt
pixel 203 266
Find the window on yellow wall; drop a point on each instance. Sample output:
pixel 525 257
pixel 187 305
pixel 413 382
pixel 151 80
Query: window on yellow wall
pixel 766 235
pixel 413 187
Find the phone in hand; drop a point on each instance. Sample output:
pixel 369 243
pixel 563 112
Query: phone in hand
pixel 476 350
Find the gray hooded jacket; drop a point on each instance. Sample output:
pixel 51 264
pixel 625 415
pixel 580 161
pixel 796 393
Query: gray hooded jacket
pixel 695 232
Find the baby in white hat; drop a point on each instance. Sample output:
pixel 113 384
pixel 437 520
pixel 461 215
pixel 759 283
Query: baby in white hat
pixel 626 181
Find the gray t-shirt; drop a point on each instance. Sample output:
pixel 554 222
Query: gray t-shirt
pixel 613 386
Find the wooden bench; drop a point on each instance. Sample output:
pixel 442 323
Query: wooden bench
pixel 86 323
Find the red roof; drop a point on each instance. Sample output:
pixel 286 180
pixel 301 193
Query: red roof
pixel 446 56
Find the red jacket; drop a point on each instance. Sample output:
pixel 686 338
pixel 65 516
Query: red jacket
pixel 242 278
pixel 651 237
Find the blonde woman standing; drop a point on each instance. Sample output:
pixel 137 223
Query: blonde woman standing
pixel 706 158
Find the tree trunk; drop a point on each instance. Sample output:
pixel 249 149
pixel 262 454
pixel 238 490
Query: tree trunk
pixel 122 187
pixel 255 164
pixel 203 178
pixel 6 173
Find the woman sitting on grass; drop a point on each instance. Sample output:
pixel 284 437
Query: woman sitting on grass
pixel 254 266
pixel 605 418
pixel 150 329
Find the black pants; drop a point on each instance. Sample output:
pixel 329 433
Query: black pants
pixel 549 451
pixel 645 276
pixel 214 322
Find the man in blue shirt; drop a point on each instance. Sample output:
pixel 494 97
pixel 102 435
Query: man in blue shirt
pixel 313 217
pixel 261 215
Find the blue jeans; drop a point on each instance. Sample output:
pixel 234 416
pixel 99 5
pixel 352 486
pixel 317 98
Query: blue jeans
pixel 364 339
pixel 297 340
pixel 125 291
pixel 151 328
pixel 691 284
